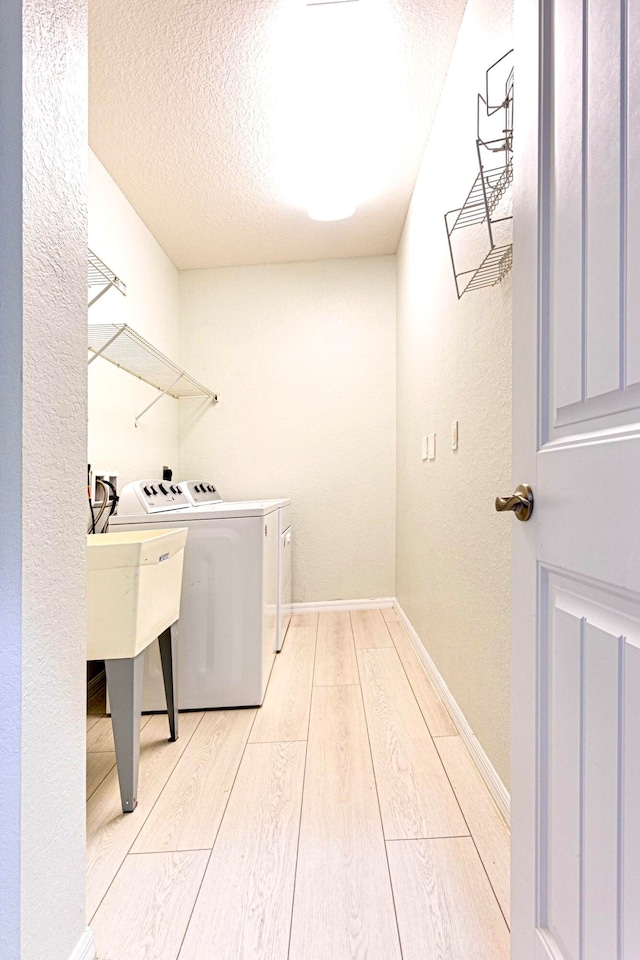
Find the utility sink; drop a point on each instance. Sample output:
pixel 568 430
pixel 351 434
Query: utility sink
pixel 133 589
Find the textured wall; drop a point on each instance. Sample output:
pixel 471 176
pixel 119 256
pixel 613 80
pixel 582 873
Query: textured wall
pixel 120 238
pixel 454 362
pixel 10 476
pixel 303 356
pixel 43 403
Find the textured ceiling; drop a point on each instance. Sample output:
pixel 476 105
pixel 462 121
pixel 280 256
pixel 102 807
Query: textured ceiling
pixel 197 112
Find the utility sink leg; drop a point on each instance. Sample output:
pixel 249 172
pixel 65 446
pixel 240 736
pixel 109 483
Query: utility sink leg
pixel 124 683
pixel 168 641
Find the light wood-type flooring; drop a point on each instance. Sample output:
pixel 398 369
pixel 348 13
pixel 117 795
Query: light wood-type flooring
pixel 343 820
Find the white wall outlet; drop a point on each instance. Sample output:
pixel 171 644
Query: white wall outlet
pixel 432 446
pixel 454 435
pixel 425 448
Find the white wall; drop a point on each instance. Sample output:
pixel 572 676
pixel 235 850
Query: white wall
pixel 303 356
pixel 10 477
pixel 43 108
pixel 120 238
pixel 454 362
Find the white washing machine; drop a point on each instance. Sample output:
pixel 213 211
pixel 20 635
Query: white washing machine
pixel 230 591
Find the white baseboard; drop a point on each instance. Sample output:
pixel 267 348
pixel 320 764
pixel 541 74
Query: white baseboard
pixel 486 769
pixel 85 948
pixel 329 606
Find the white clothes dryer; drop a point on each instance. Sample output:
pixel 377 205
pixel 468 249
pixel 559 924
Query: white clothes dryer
pixel 199 492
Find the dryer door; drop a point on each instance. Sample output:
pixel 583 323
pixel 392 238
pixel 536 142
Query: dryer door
pixel 270 580
pixel 285 586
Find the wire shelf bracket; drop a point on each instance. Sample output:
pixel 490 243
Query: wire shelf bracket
pixel 99 275
pixel 125 348
pixel 487 197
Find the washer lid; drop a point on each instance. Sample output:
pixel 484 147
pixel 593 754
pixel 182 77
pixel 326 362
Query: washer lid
pixel 222 510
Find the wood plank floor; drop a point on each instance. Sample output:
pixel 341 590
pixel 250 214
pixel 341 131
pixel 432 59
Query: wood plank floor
pixel 416 799
pixel 370 629
pixel 285 711
pixel 98 766
pixel 189 810
pixel 152 894
pixel 445 906
pixel 336 662
pixel 244 906
pixel 487 827
pixel 433 709
pixel 343 905
pixel 326 824
pixel 110 832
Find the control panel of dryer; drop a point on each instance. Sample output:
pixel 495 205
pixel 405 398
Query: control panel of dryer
pixel 152 496
pixel 199 492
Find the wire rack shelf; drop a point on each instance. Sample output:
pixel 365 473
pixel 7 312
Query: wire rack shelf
pixel 102 277
pixel 125 348
pixel 483 198
pixel 486 200
pixel 494 268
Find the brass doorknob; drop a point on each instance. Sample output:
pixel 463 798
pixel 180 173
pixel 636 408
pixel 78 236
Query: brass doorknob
pixel 521 503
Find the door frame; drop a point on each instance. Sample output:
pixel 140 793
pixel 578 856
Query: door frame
pixel 43 316
pixel 532 32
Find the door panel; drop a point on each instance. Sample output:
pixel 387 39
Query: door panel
pixel 585 498
pixel 576 638
pixel 602 209
pixel 590 685
pixel 593 225
pixel 560 787
pixel 567 213
pixel 631 791
pixel 602 759
pixel 632 186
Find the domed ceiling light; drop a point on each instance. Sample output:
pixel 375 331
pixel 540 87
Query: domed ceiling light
pixel 330 55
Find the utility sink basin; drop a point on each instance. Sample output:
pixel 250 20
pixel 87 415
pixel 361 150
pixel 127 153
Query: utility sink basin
pixel 133 589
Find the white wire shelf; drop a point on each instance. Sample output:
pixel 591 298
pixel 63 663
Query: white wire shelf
pixel 488 203
pixel 121 345
pixel 100 275
pixel 493 269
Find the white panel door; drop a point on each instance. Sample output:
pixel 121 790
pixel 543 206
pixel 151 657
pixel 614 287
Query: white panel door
pixel 576 563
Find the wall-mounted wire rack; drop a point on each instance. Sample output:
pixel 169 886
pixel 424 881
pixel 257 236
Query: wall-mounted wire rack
pixel 102 278
pixel 121 345
pixel 487 205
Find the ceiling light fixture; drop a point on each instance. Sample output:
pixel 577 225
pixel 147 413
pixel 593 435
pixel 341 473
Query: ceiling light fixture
pixel 337 67
pixel 331 38
pixel 331 208
pixel 325 3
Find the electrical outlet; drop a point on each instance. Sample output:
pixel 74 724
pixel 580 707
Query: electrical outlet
pixel 454 435
pixel 432 446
